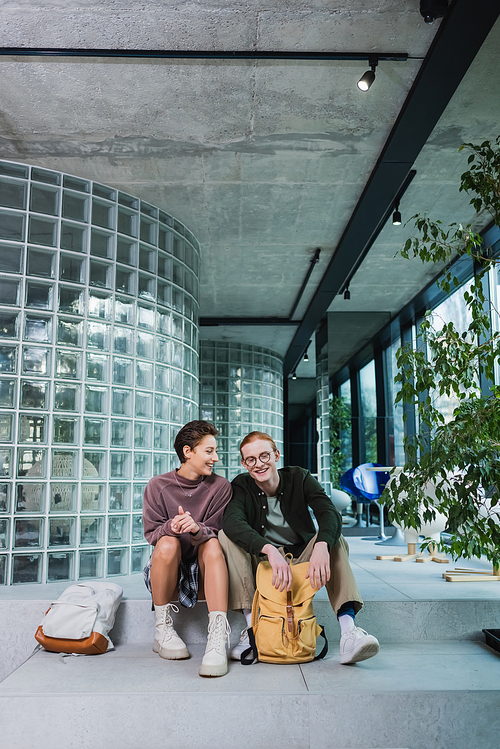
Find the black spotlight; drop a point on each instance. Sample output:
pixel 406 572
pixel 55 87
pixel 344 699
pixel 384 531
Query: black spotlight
pixel 432 9
pixel 294 375
pixel 396 216
pixel 367 78
pixel 347 293
pixel 306 356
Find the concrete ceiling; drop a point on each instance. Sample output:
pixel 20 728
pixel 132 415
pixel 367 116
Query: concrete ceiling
pixel 264 160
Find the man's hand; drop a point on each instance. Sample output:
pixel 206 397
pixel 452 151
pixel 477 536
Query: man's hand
pixel 282 574
pixel 318 571
pixel 184 523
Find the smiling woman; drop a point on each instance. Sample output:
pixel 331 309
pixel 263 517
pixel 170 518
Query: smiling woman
pixel 182 515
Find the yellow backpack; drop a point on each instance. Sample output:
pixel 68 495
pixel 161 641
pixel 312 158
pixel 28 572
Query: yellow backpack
pixel 284 628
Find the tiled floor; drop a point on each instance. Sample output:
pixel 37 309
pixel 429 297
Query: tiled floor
pixel 402 581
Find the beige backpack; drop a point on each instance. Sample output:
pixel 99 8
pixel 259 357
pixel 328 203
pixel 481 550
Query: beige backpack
pixel 81 618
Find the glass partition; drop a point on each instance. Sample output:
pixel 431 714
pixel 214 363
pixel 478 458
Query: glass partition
pixel 98 370
pixel 241 391
pixel 323 421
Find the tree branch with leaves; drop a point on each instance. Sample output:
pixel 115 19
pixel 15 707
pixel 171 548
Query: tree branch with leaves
pixel 460 456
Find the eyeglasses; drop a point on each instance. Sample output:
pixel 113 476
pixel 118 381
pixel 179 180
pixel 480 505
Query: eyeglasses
pixel 263 457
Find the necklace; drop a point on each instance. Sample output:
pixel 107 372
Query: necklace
pixel 182 488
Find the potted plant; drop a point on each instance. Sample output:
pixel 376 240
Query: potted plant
pixel 461 455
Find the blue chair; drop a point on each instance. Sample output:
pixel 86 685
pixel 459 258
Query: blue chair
pixel 367 487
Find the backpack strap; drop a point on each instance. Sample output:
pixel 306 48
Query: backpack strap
pixel 325 646
pixel 255 609
pixel 289 611
pixel 250 655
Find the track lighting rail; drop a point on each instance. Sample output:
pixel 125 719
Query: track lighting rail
pixel 177 54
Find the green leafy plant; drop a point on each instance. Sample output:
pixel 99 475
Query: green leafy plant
pixel 340 419
pixel 482 179
pixel 461 456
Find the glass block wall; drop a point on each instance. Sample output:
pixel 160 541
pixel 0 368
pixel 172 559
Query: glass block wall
pixel 241 390
pixel 323 421
pixel 98 370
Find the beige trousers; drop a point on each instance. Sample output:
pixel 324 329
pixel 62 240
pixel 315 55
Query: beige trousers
pixel 241 566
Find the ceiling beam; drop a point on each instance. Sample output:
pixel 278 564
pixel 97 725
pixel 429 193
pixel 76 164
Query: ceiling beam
pixel 214 322
pixel 458 40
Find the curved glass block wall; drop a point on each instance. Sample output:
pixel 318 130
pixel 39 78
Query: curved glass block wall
pixel 323 421
pixel 98 370
pixel 241 390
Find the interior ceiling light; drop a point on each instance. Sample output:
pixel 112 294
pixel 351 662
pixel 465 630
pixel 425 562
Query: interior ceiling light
pixel 294 375
pixel 432 9
pixel 347 293
pixel 367 78
pixel 306 355
pixel 396 216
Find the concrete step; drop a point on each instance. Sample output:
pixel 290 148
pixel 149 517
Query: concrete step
pixel 391 621
pixel 435 684
pixel 440 694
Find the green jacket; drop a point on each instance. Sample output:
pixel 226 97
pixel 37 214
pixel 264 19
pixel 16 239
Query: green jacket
pixel 245 515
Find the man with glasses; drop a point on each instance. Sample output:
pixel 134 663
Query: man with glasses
pixel 269 516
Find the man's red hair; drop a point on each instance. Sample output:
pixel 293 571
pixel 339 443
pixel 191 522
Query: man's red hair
pixel 253 436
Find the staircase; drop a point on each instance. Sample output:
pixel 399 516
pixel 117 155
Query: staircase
pixel 434 684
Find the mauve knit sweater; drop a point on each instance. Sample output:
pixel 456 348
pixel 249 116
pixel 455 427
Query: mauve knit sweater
pixel 162 498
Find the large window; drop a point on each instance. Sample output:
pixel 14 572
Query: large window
pixel 452 309
pixel 346 433
pixel 494 279
pixel 368 419
pixel 395 424
pixel 361 445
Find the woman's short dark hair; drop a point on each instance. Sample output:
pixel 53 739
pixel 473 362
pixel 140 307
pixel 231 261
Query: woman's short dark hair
pixel 191 435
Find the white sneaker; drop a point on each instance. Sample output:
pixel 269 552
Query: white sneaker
pixel 214 661
pixel 242 645
pixel 357 645
pixel 167 642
